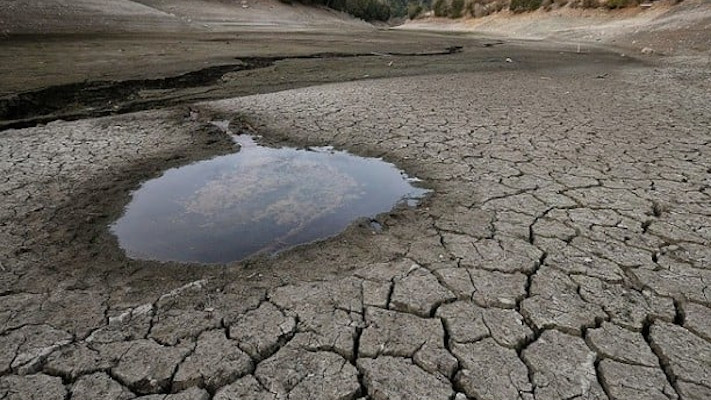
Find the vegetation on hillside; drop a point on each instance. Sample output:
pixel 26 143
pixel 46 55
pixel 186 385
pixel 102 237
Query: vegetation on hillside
pixel 368 10
pixel 481 8
pixel 383 10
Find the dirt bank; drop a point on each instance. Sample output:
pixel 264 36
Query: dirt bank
pixel 23 17
pixel 679 30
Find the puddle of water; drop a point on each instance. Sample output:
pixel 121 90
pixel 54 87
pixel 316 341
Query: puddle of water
pixel 259 199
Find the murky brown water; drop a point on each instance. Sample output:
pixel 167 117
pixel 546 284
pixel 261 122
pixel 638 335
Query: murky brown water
pixel 259 199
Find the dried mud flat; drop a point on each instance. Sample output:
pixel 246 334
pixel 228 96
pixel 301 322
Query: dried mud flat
pixel 564 254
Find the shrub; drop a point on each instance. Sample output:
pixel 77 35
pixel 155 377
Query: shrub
pixel 414 10
pixel 611 4
pixel 457 9
pixel 525 5
pixel 496 6
pixel 369 10
pixel 440 8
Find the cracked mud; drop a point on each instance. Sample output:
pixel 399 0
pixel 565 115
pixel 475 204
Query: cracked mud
pixel 564 254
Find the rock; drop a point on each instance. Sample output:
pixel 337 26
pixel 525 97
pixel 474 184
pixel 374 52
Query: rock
pixel 262 331
pixel 647 51
pixel 393 378
pixel 215 362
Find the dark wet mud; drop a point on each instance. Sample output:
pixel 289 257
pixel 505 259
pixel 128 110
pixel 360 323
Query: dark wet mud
pixel 99 98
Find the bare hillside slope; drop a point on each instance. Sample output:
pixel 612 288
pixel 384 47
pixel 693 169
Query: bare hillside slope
pixel 80 16
pixel 684 28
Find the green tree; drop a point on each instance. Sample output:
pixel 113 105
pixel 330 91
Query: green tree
pixel 457 9
pixel 440 8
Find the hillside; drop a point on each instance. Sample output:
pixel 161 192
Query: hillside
pixel 681 29
pixel 76 16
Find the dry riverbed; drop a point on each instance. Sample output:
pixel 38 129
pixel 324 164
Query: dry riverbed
pixel 564 253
